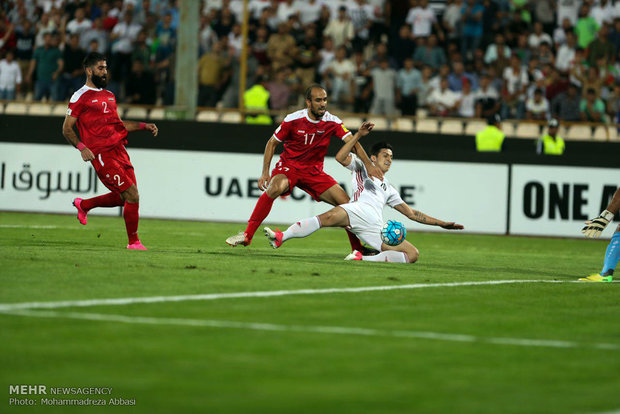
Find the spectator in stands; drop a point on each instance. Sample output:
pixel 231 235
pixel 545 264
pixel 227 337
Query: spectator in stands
pixel 123 36
pixel 443 101
pixel 592 109
pixel 486 98
pixel 426 89
pixel 565 105
pixel 491 54
pixel 567 9
pixel 538 36
pixel 308 57
pixel 310 11
pixel 224 22
pixel 613 104
pixel 7 36
pixel 422 20
pixel 381 54
pixel 586 27
pixel 491 21
pixel 591 80
pixel 522 49
pixel 601 47
pixel 340 29
pixel 458 77
pixel 537 107
pixel 80 24
pixel 166 39
pixel 212 72
pixel 384 87
pixel 25 37
pixel 98 33
pixel 471 16
pixel 281 48
pixel 491 138
pixel 603 12
pixel 279 90
pixel 72 77
pixel 551 143
pixel 362 84
pixel 451 20
pixel 285 10
pixel 403 46
pixel 409 82
pixel 566 53
pixel 339 78
pixel 429 53
pixel 10 76
pixel 614 33
pixel 47 60
pixel 544 54
pixel 516 82
pixel 559 33
pixel 360 13
pixel 467 101
pixel 140 86
pixel 544 13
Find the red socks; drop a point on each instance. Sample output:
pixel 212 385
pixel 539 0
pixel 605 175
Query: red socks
pixel 131 216
pixel 106 200
pixel 261 211
pixel 356 244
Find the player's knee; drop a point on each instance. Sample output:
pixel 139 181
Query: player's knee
pixel 413 254
pixel 131 195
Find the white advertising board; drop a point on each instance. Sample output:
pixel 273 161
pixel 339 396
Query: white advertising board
pixel 222 186
pixel 555 201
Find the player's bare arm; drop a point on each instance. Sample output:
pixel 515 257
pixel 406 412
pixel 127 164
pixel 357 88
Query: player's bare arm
pixel 420 217
pixel 72 138
pixel 344 154
pixel 372 169
pixel 270 148
pixel 137 126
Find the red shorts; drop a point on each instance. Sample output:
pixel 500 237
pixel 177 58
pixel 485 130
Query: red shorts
pixel 313 181
pixel 114 169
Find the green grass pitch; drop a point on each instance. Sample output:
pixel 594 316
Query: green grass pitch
pixel 488 348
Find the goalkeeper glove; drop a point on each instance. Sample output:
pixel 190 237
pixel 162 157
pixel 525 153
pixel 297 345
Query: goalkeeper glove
pixel 595 226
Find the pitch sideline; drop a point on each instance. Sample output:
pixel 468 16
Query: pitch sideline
pixel 264 294
pixel 334 330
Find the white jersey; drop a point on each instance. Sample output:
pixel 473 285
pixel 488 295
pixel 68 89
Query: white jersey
pixel 369 190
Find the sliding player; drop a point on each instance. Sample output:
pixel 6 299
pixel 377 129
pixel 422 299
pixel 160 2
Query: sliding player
pixel 594 228
pixel 364 216
pixel 306 135
pixel 102 142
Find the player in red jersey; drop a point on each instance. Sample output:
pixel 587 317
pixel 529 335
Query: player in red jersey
pixel 102 142
pixel 306 135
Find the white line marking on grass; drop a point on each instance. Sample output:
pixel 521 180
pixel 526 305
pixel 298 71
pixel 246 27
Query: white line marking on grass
pixel 27 226
pixel 336 330
pixel 264 294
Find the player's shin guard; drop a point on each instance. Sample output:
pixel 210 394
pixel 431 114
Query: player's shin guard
pixel 356 244
pixel 131 216
pixel 391 256
pixel 106 200
pixel 260 213
pixel 612 255
pixel 302 228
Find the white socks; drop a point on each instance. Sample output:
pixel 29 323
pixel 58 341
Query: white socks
pixel 391 256
pixel 302 228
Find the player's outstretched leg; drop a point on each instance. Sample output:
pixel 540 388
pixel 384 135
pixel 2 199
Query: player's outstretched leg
pixel 131 216
pixel 279 185
pixel 83 206
pixel 303 228
pixel 403 253
pixel 612 255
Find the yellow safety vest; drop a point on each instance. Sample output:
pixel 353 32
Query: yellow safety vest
pixel 553 146
pixel 490 139
pixel 256 99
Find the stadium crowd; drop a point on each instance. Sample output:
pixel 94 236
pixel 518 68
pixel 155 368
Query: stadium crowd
pixel 462 58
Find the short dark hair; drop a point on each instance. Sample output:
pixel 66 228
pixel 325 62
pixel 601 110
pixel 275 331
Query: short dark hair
pixel 376 148
pixel 309 90
pixel 92 58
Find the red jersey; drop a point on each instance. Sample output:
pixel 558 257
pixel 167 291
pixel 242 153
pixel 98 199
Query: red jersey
pixel 98 122
pixel 305 140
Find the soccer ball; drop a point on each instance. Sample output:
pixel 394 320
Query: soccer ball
pixel 393 233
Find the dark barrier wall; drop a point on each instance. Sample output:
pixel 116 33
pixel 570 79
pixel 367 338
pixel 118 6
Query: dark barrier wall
pixel 220 137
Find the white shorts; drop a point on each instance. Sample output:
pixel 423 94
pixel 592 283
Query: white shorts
pixel 365 223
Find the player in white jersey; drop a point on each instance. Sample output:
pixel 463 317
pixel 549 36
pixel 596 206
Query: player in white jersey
pixel 364 215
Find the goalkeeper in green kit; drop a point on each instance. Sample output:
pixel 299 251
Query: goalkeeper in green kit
pixel 594 228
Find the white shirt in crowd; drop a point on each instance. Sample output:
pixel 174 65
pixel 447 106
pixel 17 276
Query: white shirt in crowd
pixel 467 108
pixel 444 100
pixel 75 27
pixel 127 35
pixel 602 13
pixel 566 55
pixel 568 8
pixel 342 68
pixel 535 40
pixel 515 81
pixel 421 21
pixel 10 75
pixel 537 108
